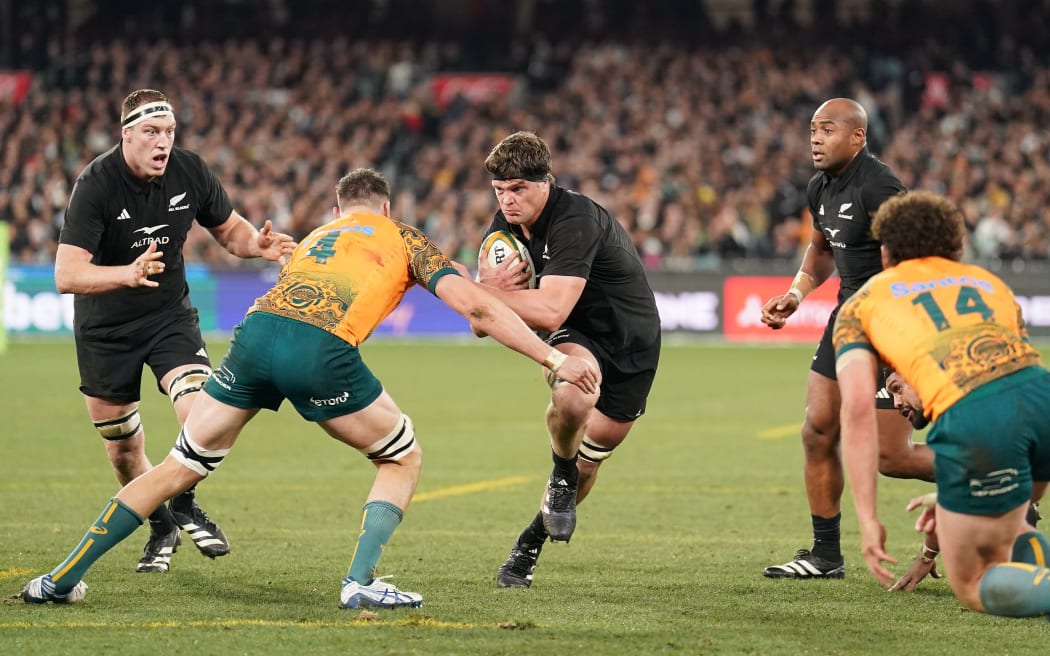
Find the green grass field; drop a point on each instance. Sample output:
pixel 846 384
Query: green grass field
pixel 667 557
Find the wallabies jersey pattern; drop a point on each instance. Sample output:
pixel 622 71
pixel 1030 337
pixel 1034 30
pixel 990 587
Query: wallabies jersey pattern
pixel 842 209
pixel 348 275
pixel 115 216
pixel 963 328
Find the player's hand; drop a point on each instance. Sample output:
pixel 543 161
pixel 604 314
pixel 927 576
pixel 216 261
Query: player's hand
pixel 274 246
pixel 579 372
pixel 873 548
pixel 510 275
pixel 917 571
pixel 927 520
pixel 145 265
pixel 461 269
pixel 777 309
pixel 923 565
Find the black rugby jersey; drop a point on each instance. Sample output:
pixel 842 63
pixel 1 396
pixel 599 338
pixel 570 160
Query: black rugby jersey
pixel 843 207
pixel 574 236
pixel 115 215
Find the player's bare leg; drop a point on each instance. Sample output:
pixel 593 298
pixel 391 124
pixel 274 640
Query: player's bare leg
pixel 825 482
pixel 184 384
pixel 385 435
pixel 517 571
pixel 976 550
pixel 195 454
pixel 566 418
pixel 120 426
pixel 603 435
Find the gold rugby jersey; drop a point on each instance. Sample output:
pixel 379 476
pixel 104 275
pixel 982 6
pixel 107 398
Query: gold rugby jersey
pixel 348 275
pixel 946 327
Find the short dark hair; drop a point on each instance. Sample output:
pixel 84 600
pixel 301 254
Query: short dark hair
pixel 139 98
pixel 362 187
pixel 919 224
pixel 520 155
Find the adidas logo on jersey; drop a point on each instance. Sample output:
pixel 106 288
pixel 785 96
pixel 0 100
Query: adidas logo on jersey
pixel 123 215
pixel 883 393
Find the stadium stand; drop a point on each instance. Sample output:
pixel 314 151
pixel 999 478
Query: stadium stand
pixel 688 119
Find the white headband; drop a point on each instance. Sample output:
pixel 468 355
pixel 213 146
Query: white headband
pixel 149 110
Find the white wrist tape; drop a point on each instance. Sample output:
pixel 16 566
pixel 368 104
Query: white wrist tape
pixel 555 359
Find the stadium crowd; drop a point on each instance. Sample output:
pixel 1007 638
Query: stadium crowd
pixel 697 140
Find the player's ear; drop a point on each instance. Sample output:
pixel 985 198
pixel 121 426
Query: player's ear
pixel 335 211
pixel 385 209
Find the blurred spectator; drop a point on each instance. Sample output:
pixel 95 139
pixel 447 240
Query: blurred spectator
pixel 696 137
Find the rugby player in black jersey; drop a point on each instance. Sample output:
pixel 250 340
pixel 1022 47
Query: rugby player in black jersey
pixel 592 301
pixel 120 253
pixel 849 186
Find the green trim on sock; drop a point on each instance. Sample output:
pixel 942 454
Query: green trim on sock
pixel 116 522
pixel 379 519
pixel 1015 590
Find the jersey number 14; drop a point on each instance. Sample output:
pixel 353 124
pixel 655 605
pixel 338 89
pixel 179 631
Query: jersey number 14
pixel 969 301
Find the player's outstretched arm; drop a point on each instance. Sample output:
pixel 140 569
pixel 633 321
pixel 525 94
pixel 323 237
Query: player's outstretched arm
pixel 488 315
pixel 860 453
pixel 241 238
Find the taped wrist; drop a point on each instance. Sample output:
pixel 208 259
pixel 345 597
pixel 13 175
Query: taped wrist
pixel 802 285
pixel 928 553
pixel 555 359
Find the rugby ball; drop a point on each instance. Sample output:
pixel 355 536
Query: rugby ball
pixel 502 245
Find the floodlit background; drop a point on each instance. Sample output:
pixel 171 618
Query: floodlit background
pixel 688 120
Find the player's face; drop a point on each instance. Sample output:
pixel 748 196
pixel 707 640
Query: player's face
pixel 521 200
pixel 906 401
pixel 832 143
pixel 147 146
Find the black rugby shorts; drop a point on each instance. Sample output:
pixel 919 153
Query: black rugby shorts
pixel 623 393
pixel 111 359
pixel 824 364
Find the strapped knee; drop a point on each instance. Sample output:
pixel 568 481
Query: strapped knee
pixel 398 444
pixel 188 382
pixel 196 458
pixel 594 452
pixel 120 428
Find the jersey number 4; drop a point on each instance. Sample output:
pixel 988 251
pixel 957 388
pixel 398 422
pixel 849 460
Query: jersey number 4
pixel 324 248
pixel 969 301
